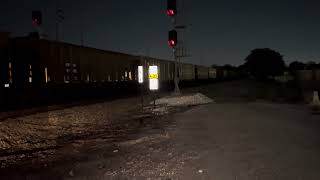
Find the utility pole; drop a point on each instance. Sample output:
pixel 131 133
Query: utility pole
pixel 57 23
pixel 82 24
pixel 82 37
pixel 59 18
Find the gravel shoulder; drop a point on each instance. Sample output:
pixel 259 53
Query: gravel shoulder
pixel 217 141
pixel 232 138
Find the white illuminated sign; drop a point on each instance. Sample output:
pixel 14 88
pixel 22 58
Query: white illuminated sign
pixel 153 78
pixel 140 74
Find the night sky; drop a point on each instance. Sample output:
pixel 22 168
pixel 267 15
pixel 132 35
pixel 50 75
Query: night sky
pixel 219 31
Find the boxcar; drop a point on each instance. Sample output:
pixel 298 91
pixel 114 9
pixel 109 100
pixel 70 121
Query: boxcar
pixel 203 72
pixel 35 68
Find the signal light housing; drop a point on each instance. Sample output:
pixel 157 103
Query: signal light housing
pixel 36 18
pixel 172 7
pixel 173 38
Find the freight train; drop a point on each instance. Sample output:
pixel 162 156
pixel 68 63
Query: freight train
pixel 34 69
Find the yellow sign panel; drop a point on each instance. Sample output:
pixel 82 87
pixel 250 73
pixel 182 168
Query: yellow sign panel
pixel 153 76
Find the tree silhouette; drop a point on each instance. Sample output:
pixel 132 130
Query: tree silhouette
pixel 229 67
pixel 263 63
pixel 295 66
pixel 311 65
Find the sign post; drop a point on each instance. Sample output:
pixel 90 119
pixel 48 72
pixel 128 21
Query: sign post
pixel 140 80
pixel 153 80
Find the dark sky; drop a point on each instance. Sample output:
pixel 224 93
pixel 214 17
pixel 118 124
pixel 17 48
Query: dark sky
pixel 219 31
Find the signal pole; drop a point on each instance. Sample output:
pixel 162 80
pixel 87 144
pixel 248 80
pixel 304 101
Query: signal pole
pixel 37 23
pixel 57 23
pixel 176 69
pixel 59 18
pixel 178 51
pixel 172 12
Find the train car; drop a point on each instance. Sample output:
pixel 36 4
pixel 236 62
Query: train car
pixel 212 73
pixel 186 72
pixel 40 70
pixel 34 69
pixel 202 72
pixel 63 63
pixel 220 73
pixel 43 62
pixel 4 58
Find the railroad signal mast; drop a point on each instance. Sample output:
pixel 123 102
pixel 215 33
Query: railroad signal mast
pixel 176 41
pixel 36 17
pixel 173 41
pixel 38 25
pixel 172 8
pixel 173 38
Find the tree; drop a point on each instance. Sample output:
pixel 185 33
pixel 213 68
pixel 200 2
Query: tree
pixel 311 65
pixel 263 63
pixel 296 65
pixel 229 67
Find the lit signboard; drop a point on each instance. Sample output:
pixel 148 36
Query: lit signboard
pixel 140 74
pixel 153 78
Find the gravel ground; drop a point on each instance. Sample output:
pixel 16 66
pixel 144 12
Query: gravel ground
pixel 252 141
pixel 51 130
pixel 235 138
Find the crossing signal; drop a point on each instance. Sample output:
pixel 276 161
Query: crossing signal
pixel 173 38
pixel 36 18
pixel 172 8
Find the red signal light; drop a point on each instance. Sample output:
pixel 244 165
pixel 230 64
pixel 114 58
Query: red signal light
pixel 171 7
pixel 35 21
pixel 36 18
pixel 173 38
pixel 170 12
pixel 172 42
